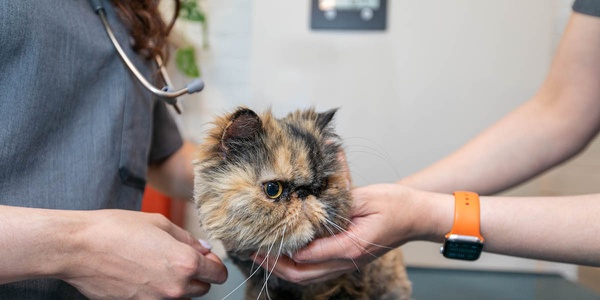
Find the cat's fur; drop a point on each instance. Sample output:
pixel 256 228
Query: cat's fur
pixel 243 153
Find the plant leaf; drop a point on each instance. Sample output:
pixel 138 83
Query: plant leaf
pixel 185 59
pixel 190 10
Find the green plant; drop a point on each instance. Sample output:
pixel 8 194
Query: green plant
pixel 185 57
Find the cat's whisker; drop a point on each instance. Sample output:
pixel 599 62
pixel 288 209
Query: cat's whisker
pixel 384 156
pixel 267 257
pixel 338 241
pixel 355 236
pixel 355 174
pixel 255 271
pixel 265 286
pixel 342 217
pixel 371 144
pixel 244 282
pixel 270 272
pixel 253 262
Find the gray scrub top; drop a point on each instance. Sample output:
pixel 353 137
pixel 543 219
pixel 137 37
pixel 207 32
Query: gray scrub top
pixel 588 7
pixel 77 131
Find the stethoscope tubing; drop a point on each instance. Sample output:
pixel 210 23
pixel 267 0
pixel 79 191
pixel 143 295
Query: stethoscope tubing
pixel 166 93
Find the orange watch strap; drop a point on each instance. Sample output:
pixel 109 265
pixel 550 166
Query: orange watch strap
pixel 466 215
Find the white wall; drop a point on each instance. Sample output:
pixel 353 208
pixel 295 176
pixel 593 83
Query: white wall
pixel 441 72
pixel 407 89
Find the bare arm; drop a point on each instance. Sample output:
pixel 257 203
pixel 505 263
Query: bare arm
pixel 175 176
pixel 28 244
pixel 106 253
pixel 553 126
pixel 561 229
pixel 112 253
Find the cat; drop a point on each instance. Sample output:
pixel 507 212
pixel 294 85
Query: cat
pixel 271 186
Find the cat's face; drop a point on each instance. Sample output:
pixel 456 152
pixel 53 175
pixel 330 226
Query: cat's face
pixel 264 183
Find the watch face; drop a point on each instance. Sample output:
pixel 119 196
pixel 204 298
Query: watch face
pixel 462 250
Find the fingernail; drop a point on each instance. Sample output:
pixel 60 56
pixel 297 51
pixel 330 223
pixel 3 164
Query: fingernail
pixel 205 244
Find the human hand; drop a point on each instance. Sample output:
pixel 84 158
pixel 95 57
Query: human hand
pixel 383 217
pixel 134 255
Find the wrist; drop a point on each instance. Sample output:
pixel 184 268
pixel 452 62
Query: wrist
pixel 63 243
pixel 434 215
pixel 464 241
pixel 60 242
pixel 77 243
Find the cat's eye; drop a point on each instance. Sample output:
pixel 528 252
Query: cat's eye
pixel 273 189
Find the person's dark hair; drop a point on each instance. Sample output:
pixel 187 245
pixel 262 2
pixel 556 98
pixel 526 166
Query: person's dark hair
pixel 148 30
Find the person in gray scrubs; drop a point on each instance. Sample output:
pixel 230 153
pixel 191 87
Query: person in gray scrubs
pixel 557 123
pixel 79 140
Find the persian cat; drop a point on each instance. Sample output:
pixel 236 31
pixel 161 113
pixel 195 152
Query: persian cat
pixel 271 186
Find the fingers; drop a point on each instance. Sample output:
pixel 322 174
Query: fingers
pixel 184 236
pixel 329 257
pixel 201 246
pixel 326 249
pixel 352 244
pixel 205 244
pixel 211 269
pixel 196 289
pixel 318 262
pixel 304 274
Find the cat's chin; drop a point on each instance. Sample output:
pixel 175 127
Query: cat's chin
pixel 246 255
pixel 241 255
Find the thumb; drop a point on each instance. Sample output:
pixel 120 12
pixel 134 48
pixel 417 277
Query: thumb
pixel 326 249
pixel 204 248
pixel 187 238
pixel 200 245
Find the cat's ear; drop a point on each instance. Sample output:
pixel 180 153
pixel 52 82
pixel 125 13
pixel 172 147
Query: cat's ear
pixel 243 124
pixel 324 118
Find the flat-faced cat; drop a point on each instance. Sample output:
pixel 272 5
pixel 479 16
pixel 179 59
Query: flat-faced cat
pixel 271 186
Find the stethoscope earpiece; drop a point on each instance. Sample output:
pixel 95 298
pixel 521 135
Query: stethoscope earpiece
pixel 196 85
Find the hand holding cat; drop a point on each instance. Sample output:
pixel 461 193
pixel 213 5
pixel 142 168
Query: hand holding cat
pixel 379 224
pixel 136 255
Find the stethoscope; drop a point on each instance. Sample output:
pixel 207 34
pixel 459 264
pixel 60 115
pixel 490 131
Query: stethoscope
pixel 166 93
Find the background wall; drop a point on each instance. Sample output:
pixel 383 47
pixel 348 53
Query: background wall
pixel 403 93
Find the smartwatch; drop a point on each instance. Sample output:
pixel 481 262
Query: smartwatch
pixel 464 241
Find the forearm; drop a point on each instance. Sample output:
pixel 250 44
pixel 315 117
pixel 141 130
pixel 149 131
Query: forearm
pixel 175 176
pixel 525 143
pixel 553 126
pixel 113 254
pixel 562 229
pixel 34 243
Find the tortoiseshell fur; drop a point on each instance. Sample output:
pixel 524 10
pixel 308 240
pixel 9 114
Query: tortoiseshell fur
pixel 241 154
